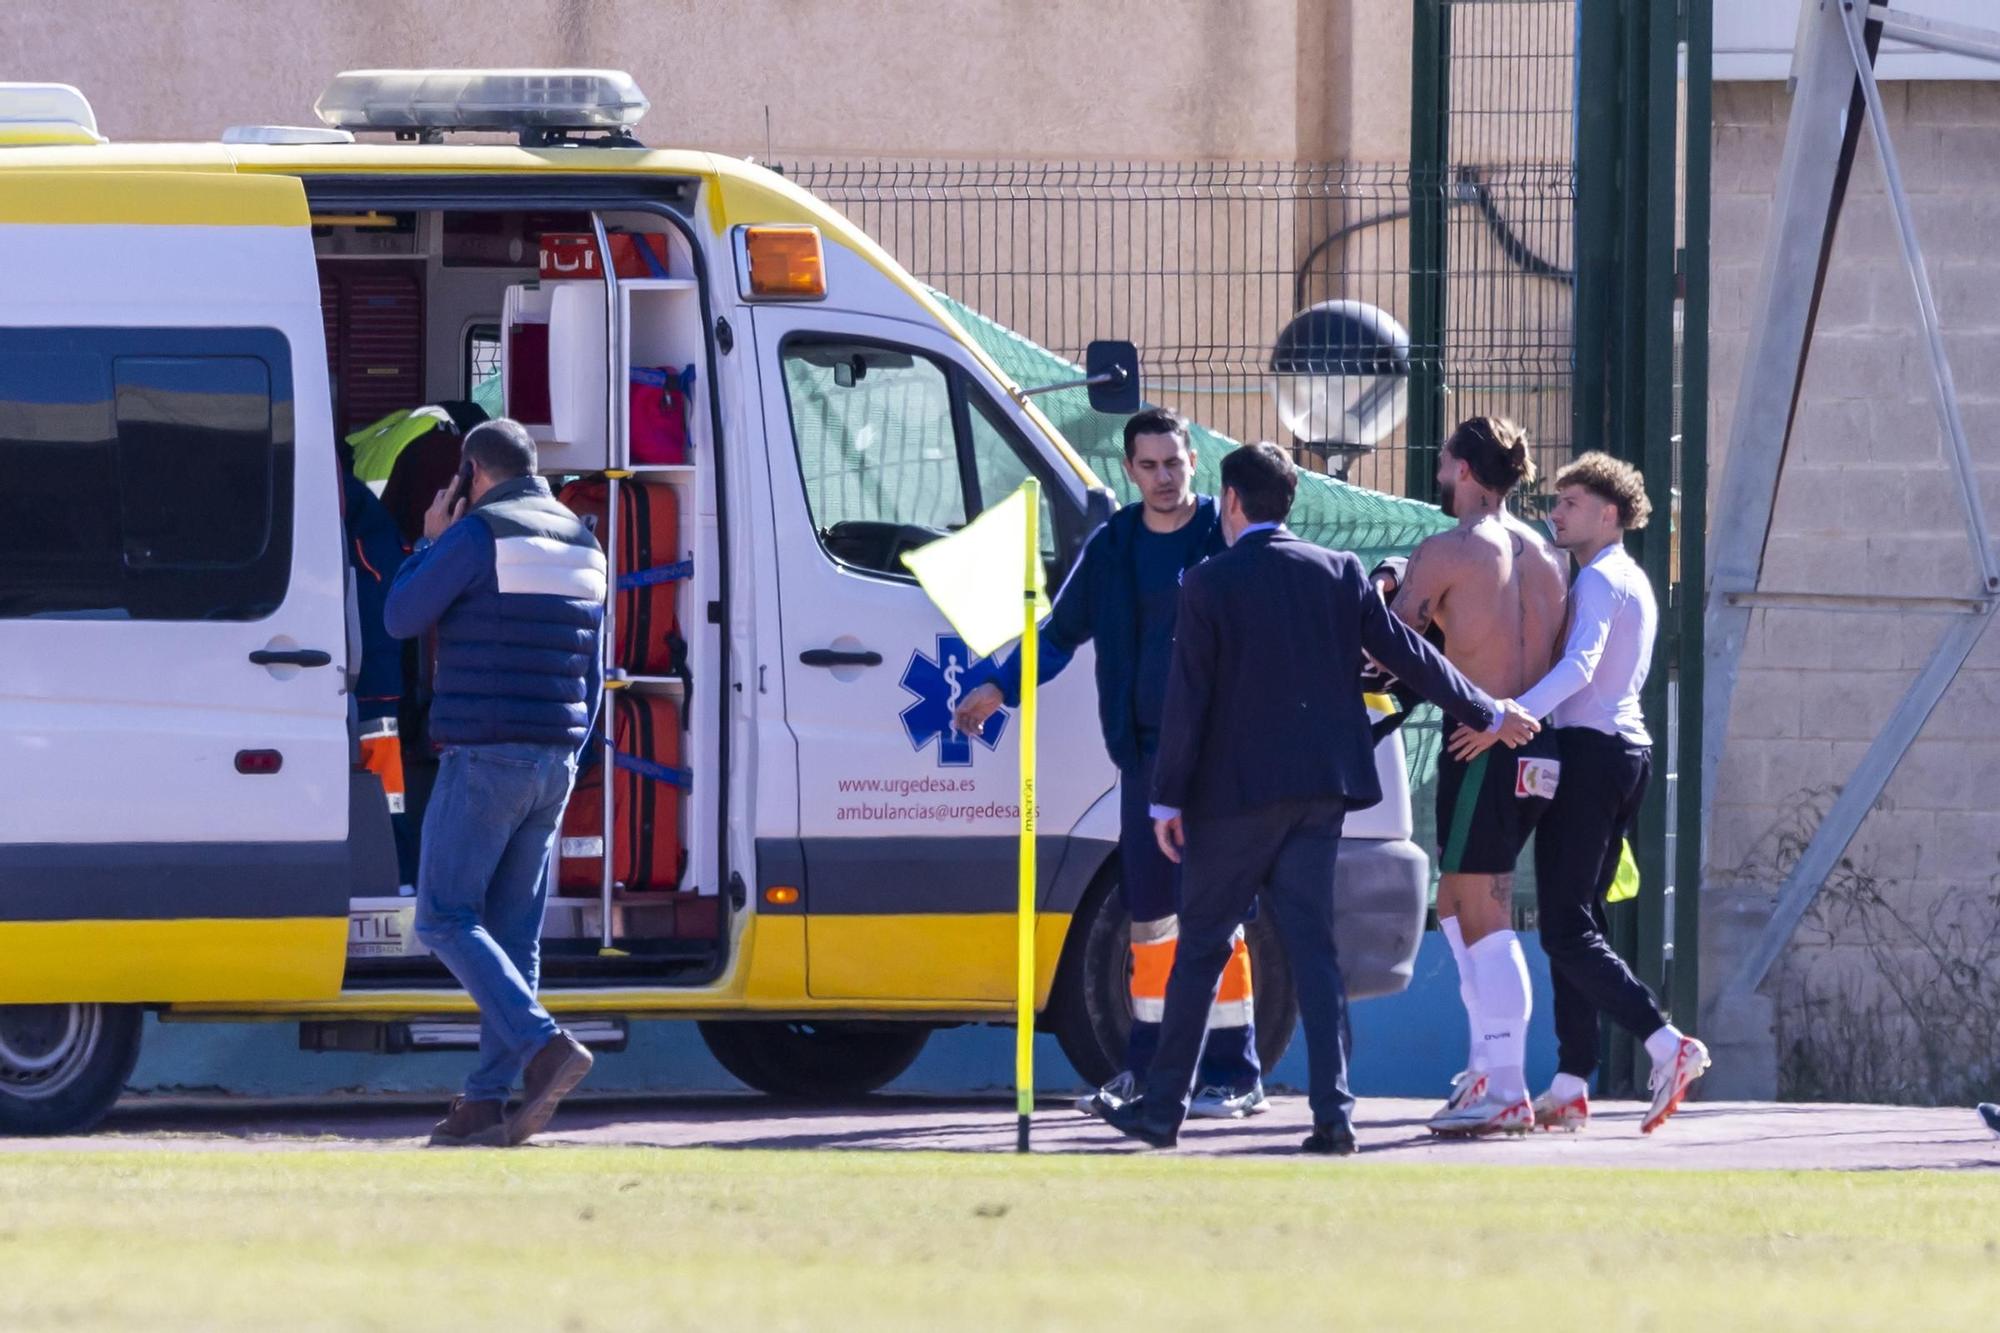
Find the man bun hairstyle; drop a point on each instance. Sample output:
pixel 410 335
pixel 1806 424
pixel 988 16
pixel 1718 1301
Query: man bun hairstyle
pixel 1613 481
pixel 1264 478
pixel 501 448
pixel 1155 421
pixel 1496 450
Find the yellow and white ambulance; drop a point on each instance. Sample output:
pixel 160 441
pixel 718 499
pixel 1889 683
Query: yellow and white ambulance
pixel 187 331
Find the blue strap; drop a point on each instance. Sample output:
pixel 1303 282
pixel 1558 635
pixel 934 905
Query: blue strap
pixel 653 263
pixel 664 377
pixel 655 772
pixel 658 574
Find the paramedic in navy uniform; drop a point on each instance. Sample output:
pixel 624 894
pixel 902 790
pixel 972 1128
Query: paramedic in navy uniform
pixel 1123 595
pixel 1264 747
pixel 513 584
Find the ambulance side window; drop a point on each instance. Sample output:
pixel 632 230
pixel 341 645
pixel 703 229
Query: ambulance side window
pixel 878 448
pixel 1001 465
pixel 150 473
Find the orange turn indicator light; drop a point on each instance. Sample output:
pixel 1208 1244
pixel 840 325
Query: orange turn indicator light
pixel 781 895
pixel 785 262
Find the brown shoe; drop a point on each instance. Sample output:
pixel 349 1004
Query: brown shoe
pixel 552 1071
pixel 470 1124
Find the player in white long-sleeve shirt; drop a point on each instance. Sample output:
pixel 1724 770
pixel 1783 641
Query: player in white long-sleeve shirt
pixel 1591 699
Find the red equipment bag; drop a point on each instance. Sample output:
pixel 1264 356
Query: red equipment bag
pixel 646 848
pixel 569 255
pixel 527 386
pixel 649 575
pixel 659 398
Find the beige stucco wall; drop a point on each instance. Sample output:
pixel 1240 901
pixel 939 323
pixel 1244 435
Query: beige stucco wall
pixel 1891 989
pixel 1096 79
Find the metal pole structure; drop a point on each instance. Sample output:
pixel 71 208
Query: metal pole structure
pixel 1803 213
pixel 1430 106
pixel 1655 113
pixel 1690 830
pixel 614 455
pixel 1850 41
pixel 1596 213
pixel 1943 390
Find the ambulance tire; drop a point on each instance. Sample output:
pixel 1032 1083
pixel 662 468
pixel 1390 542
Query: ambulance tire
pixel 1090 1009
pixel 63 1066
pixel 814 1061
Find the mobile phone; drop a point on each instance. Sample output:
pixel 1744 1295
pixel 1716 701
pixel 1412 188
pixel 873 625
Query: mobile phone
pixel 464 475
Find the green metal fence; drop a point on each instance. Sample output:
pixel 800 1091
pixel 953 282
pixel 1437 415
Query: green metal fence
pixel 1609 101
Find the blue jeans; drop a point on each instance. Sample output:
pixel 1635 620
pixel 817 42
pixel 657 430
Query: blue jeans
pixel 482 888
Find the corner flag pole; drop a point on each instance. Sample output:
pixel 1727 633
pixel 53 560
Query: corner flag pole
pixel 1024 975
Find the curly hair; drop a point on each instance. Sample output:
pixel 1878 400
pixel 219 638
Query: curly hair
pixel 1613 481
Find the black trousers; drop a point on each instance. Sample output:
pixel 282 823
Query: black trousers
pixel 1288 851
pixel 1576 857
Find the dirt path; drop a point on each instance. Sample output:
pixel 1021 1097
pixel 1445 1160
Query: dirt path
pixel 1706 1135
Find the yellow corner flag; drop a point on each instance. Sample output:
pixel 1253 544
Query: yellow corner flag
pixel 974 575
pixel 988 581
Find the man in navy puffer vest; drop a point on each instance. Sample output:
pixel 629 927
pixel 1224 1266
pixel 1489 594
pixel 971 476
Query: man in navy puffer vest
pixel 514 586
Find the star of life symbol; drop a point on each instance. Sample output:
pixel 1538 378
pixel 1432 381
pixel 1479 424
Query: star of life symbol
pixel 935 681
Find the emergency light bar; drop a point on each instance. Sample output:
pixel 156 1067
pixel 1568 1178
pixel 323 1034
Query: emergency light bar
pixel 541 105
pixel 46 113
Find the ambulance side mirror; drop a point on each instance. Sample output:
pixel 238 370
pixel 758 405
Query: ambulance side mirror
pixel 1112 369
pixel 1110 373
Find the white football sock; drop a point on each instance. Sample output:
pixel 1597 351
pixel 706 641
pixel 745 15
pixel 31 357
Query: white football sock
pixel 1500 979
pixel 1475 1059
pixel 1567 1088
pixel 1662 1045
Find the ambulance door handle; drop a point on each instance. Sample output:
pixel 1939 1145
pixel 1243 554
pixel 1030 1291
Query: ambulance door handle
pixel 834 657
pixel 299 657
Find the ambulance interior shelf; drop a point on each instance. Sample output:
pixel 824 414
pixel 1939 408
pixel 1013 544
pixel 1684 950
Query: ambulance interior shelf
pixel 626 849
pixel 554 355
pixel 553 362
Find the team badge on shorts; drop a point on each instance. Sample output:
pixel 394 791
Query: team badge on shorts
pixel 1536 779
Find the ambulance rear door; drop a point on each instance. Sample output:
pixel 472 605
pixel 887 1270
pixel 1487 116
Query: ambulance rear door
pixel 174 754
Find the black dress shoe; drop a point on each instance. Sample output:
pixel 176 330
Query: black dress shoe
pixel 1331 1141
pixel 1132 1121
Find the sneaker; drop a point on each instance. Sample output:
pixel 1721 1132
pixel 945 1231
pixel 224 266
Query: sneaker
pixel 1467 1086
pixel 1486 1114
pixel 470 1124
pixel 1111 1096
pixel 1571 1115
pixel 1990 1113
pixel 1224 1104
pixel 1671 1080
pixel 552 1071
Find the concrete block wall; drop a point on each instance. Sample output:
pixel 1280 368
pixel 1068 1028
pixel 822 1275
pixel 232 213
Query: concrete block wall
pixel 1891 989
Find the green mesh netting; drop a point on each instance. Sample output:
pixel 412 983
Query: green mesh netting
pixel 1328 512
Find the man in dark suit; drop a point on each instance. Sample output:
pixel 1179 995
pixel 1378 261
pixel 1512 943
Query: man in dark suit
pixel 1264 747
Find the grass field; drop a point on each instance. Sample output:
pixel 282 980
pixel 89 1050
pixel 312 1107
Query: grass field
pixel 614 1239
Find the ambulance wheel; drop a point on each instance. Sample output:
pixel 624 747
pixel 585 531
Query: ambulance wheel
pixel 1091 1008
pixel 62 1066
pixel 815 1061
